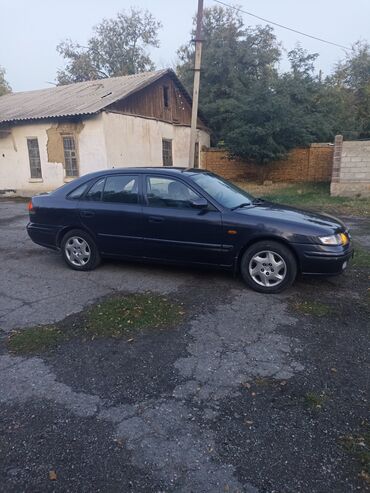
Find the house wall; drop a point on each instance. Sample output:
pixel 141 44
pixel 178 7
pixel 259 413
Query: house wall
pixel 351 169
pixel 149 102
pixel 104 141
pixel 136 141
pixel 313 163
pixel 14 161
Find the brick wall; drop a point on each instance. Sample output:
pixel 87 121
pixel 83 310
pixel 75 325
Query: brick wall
pixel 351 170
pixel 303 164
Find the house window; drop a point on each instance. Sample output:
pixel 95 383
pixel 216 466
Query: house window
pixel 167 152
pixel 70 156
pixel 166 96
pixel 34 157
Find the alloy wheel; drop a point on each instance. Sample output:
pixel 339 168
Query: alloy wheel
pixel 267 268
pixel 77 251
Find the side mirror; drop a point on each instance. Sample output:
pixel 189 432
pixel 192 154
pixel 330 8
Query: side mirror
pixel 200 203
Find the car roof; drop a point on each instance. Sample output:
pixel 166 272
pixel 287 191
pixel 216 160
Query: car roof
pixel 146 169
pixel 172 170
pixel 175 170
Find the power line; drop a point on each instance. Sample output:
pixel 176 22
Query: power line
pixel 282 26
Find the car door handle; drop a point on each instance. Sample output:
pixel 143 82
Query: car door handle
pixel 156 219
pixel 87 213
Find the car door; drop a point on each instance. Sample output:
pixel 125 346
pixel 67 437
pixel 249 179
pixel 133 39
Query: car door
pixel 112 211
pixel 174 228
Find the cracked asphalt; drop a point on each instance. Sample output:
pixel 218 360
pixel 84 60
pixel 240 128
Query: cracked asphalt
pixel 220 403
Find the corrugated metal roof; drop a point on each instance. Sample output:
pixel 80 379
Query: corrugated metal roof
pixel 82 98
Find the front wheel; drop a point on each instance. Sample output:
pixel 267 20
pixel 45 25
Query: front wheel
pixel 268 267
pixel 79 250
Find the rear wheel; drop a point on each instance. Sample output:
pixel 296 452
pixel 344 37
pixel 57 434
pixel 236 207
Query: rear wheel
pixel 268 267
pixel 79 250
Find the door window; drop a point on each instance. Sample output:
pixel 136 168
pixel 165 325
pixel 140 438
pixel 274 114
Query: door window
pixel 167 192
pixel 123 189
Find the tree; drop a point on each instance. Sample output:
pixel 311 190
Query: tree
pixel 253 110
pixel 4 85
pixel 350 84
pixel 117 47
pixel 233 58
pixel 293 109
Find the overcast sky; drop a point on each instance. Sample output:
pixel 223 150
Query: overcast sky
pixel 30 30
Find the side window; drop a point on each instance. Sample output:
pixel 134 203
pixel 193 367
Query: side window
pixel 123 189
pixel 95 191
pixel 166 192
pixel 78 192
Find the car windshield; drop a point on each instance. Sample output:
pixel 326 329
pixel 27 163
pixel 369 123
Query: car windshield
pixel 224 192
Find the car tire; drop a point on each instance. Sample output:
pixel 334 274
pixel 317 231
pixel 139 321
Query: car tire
pixel 268 267
pixel 79 250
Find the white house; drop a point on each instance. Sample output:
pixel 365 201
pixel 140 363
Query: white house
pixel 50 136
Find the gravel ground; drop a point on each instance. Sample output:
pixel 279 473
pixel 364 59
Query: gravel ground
pixel 249 393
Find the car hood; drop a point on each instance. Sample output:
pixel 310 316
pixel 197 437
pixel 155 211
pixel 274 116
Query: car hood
pixel 276 212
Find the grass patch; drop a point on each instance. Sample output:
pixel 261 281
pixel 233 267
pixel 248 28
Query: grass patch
pixel 119 316
pixel 35 339
pixel 361 258
pixel 115 317
pixel 315 400
pixel 315 308
pixel 359 447
pixel 314 196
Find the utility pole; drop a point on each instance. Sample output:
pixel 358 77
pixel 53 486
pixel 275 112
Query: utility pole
pixel 194 111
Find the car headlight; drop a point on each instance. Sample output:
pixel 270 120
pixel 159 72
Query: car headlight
pixel 338 239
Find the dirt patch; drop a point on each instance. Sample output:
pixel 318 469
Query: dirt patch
pixel 117 317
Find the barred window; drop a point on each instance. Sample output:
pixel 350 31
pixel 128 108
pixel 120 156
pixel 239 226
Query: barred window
pixel 34 157
pixel 70 156
pixel 167 152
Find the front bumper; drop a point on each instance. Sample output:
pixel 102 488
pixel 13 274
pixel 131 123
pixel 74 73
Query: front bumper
pixel 324 260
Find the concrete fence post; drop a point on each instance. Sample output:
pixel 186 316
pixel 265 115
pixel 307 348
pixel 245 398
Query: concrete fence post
pixel 337 161
pixel 337 158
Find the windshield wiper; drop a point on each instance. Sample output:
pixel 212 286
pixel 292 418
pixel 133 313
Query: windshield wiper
pixel 244 204
pixel 258 201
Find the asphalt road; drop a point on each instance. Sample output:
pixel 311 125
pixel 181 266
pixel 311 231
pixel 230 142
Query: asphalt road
pixel 248 394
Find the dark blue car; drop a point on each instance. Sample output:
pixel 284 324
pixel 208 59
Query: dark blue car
pixel 186 216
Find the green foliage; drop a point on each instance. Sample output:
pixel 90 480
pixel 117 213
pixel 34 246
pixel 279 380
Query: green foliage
pixel 117 47
pixel 35 339
pixel 4 85
pixel 256 111
pixel 233 58
pixel 361 259
pixel 359 447
pixel 119 316
pixel 313 307
pixel 351 84
pixel 315 400
pixel 315 196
